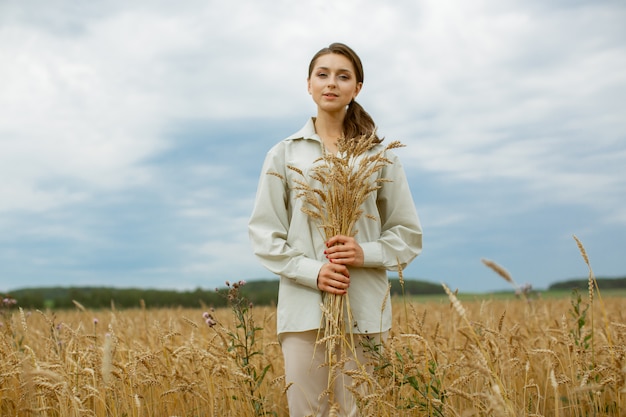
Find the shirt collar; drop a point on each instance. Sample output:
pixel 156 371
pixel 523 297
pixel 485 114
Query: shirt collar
pixel 307 132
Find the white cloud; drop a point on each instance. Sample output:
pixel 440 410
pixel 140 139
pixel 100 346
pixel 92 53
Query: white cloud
pixel 520 102
pixel 488 93
pixel 72 114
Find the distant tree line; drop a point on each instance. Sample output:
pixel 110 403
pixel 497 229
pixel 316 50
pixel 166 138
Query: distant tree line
pixel 260 292
pixel 582 284
pixel 264 292
pixel 105 297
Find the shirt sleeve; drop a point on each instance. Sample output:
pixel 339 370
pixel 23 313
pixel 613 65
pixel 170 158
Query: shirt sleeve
pixel 269 225
pixel 401 231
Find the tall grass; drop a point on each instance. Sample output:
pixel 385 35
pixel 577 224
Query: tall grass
pixel 544 357
pixel 500 358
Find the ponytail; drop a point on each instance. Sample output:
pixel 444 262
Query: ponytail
pixel 358 122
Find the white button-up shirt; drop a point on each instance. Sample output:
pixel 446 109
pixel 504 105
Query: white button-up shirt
pixel 290 244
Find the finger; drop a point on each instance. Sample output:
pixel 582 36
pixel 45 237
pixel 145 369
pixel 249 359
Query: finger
pixel 342 271
pixel 338 285
pixel 339 261
pixel 338 239
pixel 336 252
pixel 339 281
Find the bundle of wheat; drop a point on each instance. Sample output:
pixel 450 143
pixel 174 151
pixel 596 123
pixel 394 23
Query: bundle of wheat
pixel 338 186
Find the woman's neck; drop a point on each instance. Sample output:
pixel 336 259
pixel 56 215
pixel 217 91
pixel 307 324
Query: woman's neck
pixel 329 129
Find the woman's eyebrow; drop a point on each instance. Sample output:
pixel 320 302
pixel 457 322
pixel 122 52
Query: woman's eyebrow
pixel 328 69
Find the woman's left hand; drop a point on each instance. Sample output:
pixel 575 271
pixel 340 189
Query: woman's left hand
pixel 344 250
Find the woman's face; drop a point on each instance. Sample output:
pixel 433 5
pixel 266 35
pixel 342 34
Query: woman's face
pixel 332 83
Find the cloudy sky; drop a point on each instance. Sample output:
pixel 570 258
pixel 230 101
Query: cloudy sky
pixel 132 133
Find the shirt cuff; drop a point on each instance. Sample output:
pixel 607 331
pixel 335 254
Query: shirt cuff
pixel 372 254
pixel 308 270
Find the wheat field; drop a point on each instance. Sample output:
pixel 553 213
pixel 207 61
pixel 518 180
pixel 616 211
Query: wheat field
pixel 557 357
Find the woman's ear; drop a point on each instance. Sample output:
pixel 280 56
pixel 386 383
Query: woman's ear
pixel 308 85
pixel 357 90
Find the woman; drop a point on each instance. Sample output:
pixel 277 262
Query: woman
pixel 290 244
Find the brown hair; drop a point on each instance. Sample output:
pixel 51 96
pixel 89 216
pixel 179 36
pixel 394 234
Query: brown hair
pixel 357 121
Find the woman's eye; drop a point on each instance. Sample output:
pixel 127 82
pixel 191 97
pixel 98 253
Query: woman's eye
pixel 321 74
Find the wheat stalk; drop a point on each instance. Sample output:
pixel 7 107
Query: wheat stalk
pixel 44 369
pixel 503 273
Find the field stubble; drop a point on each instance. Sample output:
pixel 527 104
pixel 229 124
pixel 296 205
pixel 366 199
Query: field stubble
pixel 553 357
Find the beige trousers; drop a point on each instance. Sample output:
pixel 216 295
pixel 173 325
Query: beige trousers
pixel 307 377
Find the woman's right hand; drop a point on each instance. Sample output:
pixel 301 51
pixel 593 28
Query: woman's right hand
pixel 334 279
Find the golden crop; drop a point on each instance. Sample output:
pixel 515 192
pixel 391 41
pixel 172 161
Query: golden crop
pixel 557 357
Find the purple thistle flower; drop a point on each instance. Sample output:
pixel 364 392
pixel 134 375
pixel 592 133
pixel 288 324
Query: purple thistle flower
pixel 8 301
